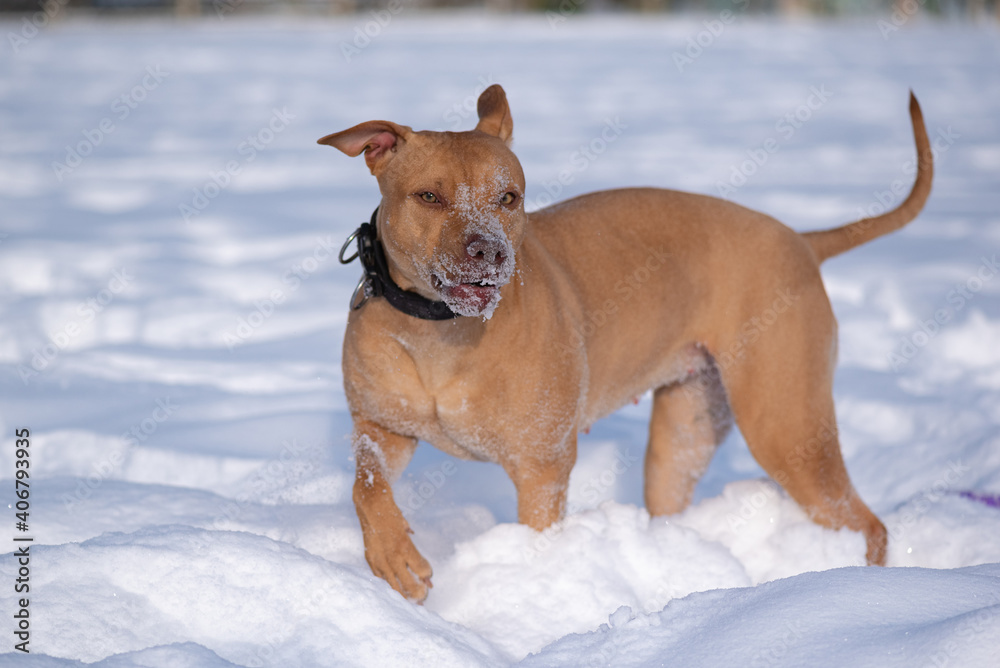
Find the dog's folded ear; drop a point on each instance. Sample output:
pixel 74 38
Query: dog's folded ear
pixel 378 140
pixel 494 114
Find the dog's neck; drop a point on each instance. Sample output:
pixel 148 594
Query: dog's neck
pixel 379 282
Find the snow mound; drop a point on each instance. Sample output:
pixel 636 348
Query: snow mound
pixel 912 617
pixel 573 575
pixel 247 598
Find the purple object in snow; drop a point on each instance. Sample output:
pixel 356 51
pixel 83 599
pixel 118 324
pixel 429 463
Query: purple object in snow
pixel 991 500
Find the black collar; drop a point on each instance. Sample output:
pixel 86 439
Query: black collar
pixel 376 281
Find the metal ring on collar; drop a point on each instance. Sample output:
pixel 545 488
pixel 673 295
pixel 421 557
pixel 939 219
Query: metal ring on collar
pixel 354 295
pixel 350 240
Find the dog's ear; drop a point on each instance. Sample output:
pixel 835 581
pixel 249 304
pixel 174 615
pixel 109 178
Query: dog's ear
pixel 378 140
pixel 494 114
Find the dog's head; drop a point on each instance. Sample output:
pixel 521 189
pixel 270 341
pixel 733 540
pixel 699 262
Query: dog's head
pixel 452 214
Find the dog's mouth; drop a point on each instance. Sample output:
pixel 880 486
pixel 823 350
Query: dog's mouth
pixel 471 284
pixel 469 296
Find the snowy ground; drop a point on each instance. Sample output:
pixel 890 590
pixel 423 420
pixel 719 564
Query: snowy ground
pixel 190 477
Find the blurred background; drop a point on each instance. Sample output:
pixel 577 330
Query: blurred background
pixel 972 9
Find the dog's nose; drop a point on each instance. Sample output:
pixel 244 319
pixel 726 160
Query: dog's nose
pixel 489 250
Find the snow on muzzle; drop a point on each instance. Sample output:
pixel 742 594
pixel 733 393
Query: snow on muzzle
pixel 471 286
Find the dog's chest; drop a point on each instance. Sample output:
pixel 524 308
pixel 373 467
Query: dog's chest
pixel 467 424
pixel 483 401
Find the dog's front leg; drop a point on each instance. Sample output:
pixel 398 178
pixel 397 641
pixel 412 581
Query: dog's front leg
pixel 541 479
pixel 380 457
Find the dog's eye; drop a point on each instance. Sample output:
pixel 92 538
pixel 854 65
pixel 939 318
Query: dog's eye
pixel 508 198
pixel 429 197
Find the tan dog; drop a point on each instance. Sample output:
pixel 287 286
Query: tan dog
pixel 562 316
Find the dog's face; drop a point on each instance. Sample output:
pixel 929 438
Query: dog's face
pixel 452 216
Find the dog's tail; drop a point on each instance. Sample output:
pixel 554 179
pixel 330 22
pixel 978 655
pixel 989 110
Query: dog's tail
pixel 827 243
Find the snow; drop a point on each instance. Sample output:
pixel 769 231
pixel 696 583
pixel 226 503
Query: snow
pixel 909 617
pixel 179 368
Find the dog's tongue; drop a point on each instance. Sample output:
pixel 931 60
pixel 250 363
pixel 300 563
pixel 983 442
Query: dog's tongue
pixel 472 300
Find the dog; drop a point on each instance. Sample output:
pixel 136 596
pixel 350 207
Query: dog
pixel 475 328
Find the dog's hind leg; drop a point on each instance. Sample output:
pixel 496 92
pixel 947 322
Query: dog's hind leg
pixel 781 393
pixel 690 419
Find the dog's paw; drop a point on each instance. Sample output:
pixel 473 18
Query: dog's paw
pixel 399 563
